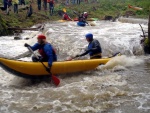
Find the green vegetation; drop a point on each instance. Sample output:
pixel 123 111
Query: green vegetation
pixel 113 7
pixel 98 10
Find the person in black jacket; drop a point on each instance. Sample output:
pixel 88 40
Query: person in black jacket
pixel 94 48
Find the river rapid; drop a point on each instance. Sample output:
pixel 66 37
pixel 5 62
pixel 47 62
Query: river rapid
pixel 120 86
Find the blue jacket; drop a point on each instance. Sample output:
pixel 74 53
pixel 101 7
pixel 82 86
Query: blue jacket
pixel 94 48
pixel 46 51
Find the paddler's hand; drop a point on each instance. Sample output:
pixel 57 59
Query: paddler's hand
pixel 77 56
pixel 26 45
pixel 48 69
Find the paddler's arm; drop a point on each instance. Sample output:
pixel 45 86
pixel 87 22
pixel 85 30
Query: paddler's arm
pixel 34 47
pixel 49 52
pixel 86 52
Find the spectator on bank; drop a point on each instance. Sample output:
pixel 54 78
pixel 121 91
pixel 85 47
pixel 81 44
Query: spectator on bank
pixel 9 6
pixel 5 4
pixel 86 1
pixel 78 1
pixel 73 1
pixel 29 10
pixel 51 6
pixel 15 3
pixel 39 4
pixel 45 4
pixel 21 2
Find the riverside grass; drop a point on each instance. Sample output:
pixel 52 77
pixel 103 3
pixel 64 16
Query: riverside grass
pixel 96 9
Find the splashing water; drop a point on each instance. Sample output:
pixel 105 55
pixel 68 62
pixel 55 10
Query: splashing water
pixel 120 84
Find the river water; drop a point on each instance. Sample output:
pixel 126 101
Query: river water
pixel 120 86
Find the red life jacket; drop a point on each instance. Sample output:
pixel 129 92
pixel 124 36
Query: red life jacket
pixel 66 17
pixel 43 54
pixel 50 1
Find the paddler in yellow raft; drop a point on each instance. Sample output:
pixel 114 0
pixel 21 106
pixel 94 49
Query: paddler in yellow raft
pixel 94 48
pixel 45 49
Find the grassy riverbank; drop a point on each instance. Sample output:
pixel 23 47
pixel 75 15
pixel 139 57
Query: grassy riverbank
pixel 95 9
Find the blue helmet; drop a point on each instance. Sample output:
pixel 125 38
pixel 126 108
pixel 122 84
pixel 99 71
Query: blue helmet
pixel 89 36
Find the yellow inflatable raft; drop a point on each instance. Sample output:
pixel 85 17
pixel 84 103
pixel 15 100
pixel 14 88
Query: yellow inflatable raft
pixel 36 69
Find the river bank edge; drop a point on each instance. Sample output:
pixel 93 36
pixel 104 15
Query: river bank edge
pixel 38 17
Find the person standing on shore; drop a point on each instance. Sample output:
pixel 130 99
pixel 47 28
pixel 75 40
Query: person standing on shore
pixel 15 2
pixel 29 10
pixel 78 2
pixel 51 6
pixel 21 2
pixel 39 4
pixel 5 4
pixel 45 4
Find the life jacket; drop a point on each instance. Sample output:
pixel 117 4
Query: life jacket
pixel 66 17
pixel 43 54
pixel 50 1
pixel 93 45
pixel 85 16
pixel 81 18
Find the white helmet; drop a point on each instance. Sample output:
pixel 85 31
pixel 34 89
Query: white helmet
pixel 85 12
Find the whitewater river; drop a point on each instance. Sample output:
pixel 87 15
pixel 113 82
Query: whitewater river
pixel 121 86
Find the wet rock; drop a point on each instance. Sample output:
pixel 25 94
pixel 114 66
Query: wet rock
pixel 108 18
pixel 17 38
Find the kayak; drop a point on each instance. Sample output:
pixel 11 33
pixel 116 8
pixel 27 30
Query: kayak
pixel 135 8
pixel 76 19
pixel 81 24
pixel 64 20
pixel 88 19
pixel 34 70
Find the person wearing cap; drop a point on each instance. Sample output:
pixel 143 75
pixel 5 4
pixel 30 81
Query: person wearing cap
pixel 45 49
pixel 85 15
pixel 39 4
pixel 82 17
pixel 94 48
pixel 51 6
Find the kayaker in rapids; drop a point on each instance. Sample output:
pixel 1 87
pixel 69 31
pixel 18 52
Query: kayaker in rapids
pixel 94 48
pixel 82 17
pixel 45 49
pixel 66 17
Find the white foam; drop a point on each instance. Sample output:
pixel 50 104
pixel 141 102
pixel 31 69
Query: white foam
pixel 122 61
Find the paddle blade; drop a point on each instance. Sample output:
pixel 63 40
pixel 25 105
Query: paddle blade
pixel 55 80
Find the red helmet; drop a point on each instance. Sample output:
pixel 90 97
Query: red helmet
pixel 41 36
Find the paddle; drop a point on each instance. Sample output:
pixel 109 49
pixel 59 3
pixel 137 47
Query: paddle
pixel 142 31
pixel 55 80
pixel 116 54
pixel 71 58
pixel 142 40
